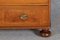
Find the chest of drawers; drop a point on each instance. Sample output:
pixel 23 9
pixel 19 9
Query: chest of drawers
pixel 25 14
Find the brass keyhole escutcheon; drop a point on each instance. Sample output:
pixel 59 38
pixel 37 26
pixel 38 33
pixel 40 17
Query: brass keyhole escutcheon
pixel 24 17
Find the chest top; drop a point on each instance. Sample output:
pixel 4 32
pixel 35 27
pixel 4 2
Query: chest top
pixel 24 2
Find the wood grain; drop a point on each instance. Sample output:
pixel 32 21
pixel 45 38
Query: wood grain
pixel 38 16
pixel 23 2
pixel 38 12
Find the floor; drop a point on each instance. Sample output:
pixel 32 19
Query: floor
pixel 24 35
pixel 29 34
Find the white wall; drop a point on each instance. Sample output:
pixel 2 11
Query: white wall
pixel 55 15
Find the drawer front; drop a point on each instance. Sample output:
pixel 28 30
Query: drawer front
pixel 1 17
pixel 26 15
pixel 23 2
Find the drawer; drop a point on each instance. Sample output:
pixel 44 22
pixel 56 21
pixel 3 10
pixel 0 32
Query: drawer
pixel 26 15
pixel 23 2
pixel 1 17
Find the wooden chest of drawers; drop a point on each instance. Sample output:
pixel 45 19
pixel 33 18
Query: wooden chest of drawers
pixel 25 14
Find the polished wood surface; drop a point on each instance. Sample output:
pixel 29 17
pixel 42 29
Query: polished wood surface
pixel 45 33
pixel 37 11
pixel 37 16
pixel 23 2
